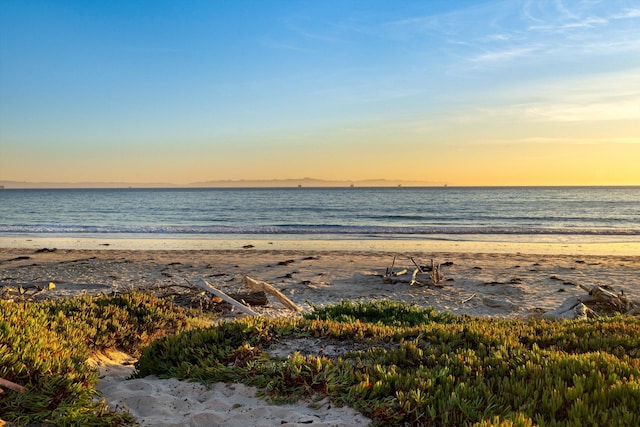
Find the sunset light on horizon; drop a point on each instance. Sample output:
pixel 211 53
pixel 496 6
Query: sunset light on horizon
pixel 438 92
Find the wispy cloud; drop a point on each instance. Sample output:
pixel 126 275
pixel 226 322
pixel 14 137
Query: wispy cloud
pixel 499 56
pixel 503 31
pixel 629 13
pixel 585 23
pixel 500 37
pixel 572 112
pixel 603 97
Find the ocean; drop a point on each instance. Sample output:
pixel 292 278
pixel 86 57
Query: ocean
pixel 518 214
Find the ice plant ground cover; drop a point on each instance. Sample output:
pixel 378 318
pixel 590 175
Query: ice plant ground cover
pixel 45 346
pixel 397 364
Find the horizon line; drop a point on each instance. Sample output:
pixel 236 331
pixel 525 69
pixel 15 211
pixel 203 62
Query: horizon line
pixel 295 183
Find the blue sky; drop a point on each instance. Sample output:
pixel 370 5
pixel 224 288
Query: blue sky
pixel 463 92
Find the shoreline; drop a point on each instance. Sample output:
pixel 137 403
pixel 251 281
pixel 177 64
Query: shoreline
pixel 602 247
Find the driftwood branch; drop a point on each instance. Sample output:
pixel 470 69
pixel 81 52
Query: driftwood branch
pixel 468 299
pixel 258 285
pixel 217 292
pixel 434 274
pixel 389 271
pixel 11 386
pixel 389 275
pixel 416 264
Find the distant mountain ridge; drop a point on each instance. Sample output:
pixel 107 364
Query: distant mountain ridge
pixel 309 182
pixel 240 183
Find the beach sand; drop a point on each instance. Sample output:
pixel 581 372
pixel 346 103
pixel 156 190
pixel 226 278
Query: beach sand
pixel 504 284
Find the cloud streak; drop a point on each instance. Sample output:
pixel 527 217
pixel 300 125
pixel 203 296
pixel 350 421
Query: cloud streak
pixel 603 97
pixel 501 32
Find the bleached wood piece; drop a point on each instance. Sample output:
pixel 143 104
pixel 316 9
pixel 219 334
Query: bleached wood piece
pixel 603 295
pixel 436 276
pixel 567 307
pixel 414 277
pixel 575 308
pixel 468 299
pixel 217 292
pixel 579 311
pixel 258 285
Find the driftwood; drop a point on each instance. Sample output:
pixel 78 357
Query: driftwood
pixel 25 293
pixel 217 292
pixel 389 275
pixel 192 296
pixel 434 275
pixel 11 386
pixel 468 299
pixel 600 300
pixel 258 285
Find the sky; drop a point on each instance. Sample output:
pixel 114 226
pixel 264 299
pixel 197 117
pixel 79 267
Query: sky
pixel 503 92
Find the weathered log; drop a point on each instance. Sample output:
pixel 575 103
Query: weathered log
pixel 579 311
pixel 217 292
pixel 618 302
pixel 577 307
pixel 566 309
pixel 258 285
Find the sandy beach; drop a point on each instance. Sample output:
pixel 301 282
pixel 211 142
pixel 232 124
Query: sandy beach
pixel 505 285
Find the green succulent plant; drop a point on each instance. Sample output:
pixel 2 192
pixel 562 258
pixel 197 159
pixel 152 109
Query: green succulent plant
pixel 412 366
pixel 398 364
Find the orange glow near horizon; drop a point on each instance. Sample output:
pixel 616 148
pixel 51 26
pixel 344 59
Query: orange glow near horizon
pixel 461 93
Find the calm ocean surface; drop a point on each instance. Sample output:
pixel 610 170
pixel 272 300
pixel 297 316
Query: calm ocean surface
pixel 508 214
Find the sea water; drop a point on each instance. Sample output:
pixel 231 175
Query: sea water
pixel 518 214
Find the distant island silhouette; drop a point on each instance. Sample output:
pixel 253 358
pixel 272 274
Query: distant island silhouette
pixel 239 183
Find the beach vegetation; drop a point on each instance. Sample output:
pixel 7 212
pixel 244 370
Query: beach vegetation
pixel 397 364
pixel 384 312
pixel 443 371
pixel 45 346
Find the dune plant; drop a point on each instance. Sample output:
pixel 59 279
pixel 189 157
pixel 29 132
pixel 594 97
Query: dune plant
pixel 439 371
pixel 386 312
pixel 44 347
